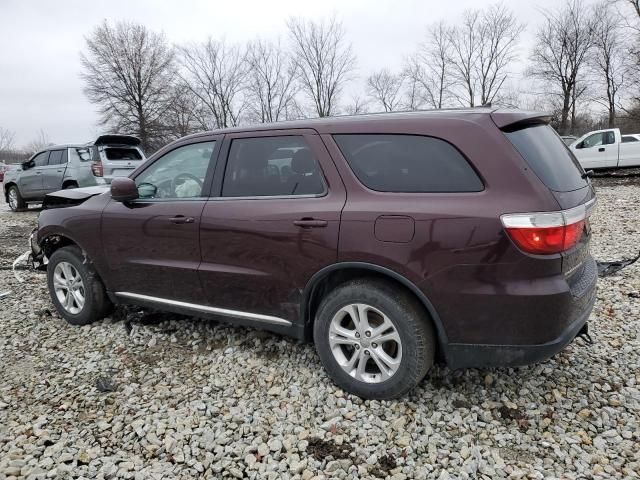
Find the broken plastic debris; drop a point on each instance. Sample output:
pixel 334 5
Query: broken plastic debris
pixel 22 258
pixel 609 268
pixel 5 294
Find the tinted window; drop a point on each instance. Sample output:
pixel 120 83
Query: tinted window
pixel 629 139
pixel 55 157
pixel 122 154
pixel 271 166
pixel 40 160
pixel 178 174
pixel 408 163
pixel 548 157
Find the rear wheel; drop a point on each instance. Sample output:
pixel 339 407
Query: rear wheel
pixel 76 290
pixel 69 185
pixel 374 339
pixel 16 202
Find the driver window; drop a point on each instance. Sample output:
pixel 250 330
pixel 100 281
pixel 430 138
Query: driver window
pixel 593 140
pixel 40 160
pixel 178 174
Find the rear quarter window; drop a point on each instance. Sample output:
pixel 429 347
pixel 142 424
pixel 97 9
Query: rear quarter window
pixel 547 155
pixel 408 163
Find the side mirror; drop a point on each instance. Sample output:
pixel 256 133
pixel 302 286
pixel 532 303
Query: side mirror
pixel 123 189
pixel 580 145
pixel 27 165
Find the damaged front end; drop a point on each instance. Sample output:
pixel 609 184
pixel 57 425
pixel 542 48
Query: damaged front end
pixel 71 197
pixel 36 256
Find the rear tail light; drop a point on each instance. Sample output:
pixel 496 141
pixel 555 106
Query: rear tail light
pixel 96 168
pixel 546 233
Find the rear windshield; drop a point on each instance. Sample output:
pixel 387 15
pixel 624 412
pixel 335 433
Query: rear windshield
pixel 118 153
pixel 548 156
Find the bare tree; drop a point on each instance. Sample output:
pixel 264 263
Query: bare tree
pixel 428 72
pixel 499 34
pixel 128 72
pixel 216 73
pixel 272 84
pixel 182 114
pixel 324 60
pixel 560 54
pixel 6 139
pixel 484 48
pixel 465 42
pixel 357 106
pixel 609 57
pixel 38 143
pixel 384 87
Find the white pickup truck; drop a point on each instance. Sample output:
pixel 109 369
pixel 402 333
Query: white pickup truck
pixel 607 149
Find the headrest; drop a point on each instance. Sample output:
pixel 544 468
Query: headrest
pixel 252 156
pixel 303 162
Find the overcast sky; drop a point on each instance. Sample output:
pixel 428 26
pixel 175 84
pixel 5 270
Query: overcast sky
pixel 40 43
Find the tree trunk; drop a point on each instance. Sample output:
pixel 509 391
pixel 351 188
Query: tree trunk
pixel 565 113
pixel 612 116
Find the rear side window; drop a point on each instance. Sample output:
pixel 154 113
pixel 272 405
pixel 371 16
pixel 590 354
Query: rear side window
pixel 629 139
pixel 271 166
pixel 113 153
pixel 55 157
pixel 408 163
pixel 548 157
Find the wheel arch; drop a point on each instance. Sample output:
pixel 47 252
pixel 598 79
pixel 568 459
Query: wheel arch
pixel 54 240
pixel 338 273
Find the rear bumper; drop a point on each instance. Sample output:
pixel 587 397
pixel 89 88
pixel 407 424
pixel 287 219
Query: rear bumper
pixel 463 355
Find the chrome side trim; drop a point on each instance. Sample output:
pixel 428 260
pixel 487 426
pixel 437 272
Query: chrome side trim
pixel 204 308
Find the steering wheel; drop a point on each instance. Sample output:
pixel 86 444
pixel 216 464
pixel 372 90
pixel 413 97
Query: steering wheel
pixel 185 175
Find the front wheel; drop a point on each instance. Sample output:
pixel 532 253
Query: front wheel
pixel 76 290
pixel 374 339
pixel 16 202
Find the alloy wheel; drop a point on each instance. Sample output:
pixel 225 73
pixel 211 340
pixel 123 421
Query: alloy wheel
pixel 69 287
pixel 365 343
pixel 13 199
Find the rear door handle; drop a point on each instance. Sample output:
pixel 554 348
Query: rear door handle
pixel 181 219
pixel 310 223
pixel 601 149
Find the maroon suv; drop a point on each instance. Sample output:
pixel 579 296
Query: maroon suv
pixel 388 240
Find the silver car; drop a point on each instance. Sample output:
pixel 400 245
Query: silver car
pixel 60 167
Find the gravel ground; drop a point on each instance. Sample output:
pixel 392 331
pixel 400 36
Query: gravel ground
pixel 153 396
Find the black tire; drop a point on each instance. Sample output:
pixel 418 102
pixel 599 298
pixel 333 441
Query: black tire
pixel 70 185
pixel 410 320
pixel 96 303
pixel 20 203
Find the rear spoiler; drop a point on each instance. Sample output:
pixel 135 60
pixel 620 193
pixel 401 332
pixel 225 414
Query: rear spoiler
pixel 517 119
pixel 118 140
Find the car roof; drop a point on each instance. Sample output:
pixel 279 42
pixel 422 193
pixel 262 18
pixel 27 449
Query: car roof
pixel 325 124
pixel 64 145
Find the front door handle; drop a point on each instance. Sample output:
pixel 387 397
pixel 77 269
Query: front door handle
pixel 181 219
pixel 601 149
pixel 310 223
